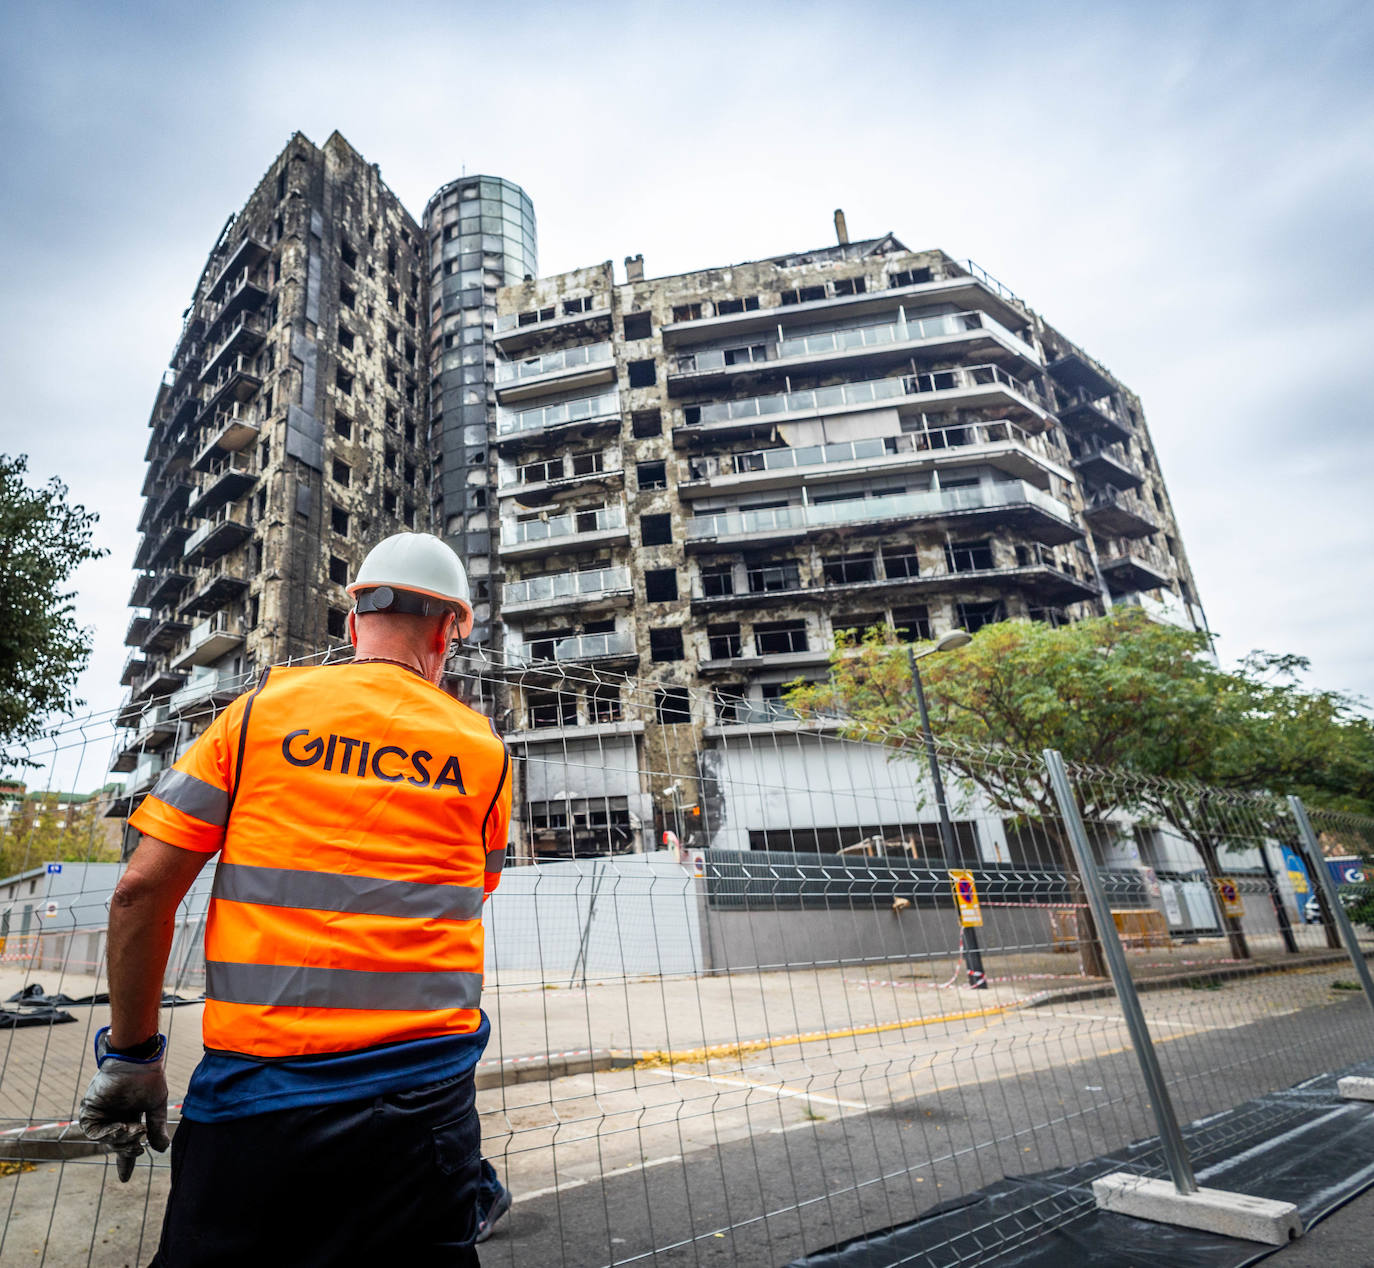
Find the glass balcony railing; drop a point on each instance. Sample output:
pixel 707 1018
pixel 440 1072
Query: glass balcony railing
pixel 862 510
pixel 803 456
pixel 582 409
pixel 864 392
pixel 595 646
pixel 594 354
pixel 601 520
pixel 593 583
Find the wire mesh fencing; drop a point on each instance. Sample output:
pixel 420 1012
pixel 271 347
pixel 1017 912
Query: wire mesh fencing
pixel 741 1010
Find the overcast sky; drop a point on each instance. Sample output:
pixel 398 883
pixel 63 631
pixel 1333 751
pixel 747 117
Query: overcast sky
pixel 1187 190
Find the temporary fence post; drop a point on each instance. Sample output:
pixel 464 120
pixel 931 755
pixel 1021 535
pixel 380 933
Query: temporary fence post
pixel 1321 877
pixel 1175 1151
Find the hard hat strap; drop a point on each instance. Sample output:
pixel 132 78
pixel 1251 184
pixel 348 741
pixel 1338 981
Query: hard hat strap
pixel 389 599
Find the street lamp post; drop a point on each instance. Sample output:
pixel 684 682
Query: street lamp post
pixel 973 955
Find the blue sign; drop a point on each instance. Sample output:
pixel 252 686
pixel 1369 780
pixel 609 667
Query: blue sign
pixel 1297 871
pixel 54 868
pixel 1346 871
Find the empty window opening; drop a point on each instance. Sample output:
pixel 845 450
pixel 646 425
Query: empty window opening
pixel 348 297
pixel 724 307
pixel 336 623
pixel 855 626
pixel 686 312
pixel 850 286
pixel 717 580
pixel 638 326
pixel 773 575
pixel 587 463
pixel 912 625
pixel 774 638
pixel 645 423
pixel 603 702
pixel 338 570
pixel 723 641
pixel 655 530
pixel 969 556
pixel 673 704
pixel 342 472
pixel 343 381
pixel 641 373
pixel 345 337
pixel 909 277
pixel 901 561
pixel 973 616
pixel 582 304
pixel 347 254
pixel 338 520
pixel 847 569
pixel 652 475
pixel 660 585
pixel 665 645
pixel 552 708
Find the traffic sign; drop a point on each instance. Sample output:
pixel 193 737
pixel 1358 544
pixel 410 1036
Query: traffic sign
pixel 54 868
pixel 966 898
pixel 1231 903
pixel 50 910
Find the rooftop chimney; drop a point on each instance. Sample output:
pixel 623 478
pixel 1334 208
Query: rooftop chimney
pixel 841 230
pixel 634 268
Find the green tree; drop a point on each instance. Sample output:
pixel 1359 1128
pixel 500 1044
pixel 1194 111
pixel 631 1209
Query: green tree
pixel 45 827
pixel 1118 691
pixel 43 538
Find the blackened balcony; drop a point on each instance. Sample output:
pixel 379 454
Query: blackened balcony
pixel 156 682
pixel 971 386
pixel 574 530
pixel 168 544
pixel 1115 513
pixel 229 430
pixel 563 370
pixel 227 479
pixel 172 500
pixel 166 585
pixel 214 591
pixel 206 688
pixel 517 331
pixel 240 338
pixel 1128 567
pixel 226 528
pixel 247 255
pixel 1014 502
pixel 1106 464
pixel 135 666
pixel 1079 373
pixel 566 589
pixel 210 639
pixel 143 584
pixel 137 630
pixel 599 410
pixel 236 382
pixel 1093 416
pixel 163 631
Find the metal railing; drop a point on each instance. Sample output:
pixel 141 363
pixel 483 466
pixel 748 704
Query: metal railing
pixel 745 523
pixel 585 355
pixel 580 410
pixel 602 519
pixel 590 584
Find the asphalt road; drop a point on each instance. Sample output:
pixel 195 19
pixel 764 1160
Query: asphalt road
pixel 758 1161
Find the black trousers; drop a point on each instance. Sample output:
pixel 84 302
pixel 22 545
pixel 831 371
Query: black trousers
pixel 389 1180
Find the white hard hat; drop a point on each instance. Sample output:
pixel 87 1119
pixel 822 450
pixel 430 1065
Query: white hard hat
pixel 413 564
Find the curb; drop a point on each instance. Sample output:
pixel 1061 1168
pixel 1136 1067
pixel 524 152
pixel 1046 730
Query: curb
pixel 1169 980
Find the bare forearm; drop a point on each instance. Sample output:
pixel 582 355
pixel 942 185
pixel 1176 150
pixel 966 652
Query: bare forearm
pixel 143 913
pixel 140 940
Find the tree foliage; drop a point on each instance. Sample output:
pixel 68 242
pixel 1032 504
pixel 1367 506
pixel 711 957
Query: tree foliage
pixel 1118 691
pixel 44 827
pixel 43 538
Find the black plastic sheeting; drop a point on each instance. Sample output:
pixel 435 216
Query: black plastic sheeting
pixel 13 1018
pixel 1303 1145
pixel 34 996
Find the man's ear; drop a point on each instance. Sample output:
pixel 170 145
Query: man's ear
pixel 445 632
pixel 353 626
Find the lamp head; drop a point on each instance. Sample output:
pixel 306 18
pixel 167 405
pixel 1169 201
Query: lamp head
pixel 952 640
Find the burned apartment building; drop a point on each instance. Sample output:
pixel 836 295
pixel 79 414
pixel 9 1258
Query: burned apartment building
pixel 704 479
pixel 288 436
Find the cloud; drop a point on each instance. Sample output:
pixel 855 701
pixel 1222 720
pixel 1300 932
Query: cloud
pixel 1185 190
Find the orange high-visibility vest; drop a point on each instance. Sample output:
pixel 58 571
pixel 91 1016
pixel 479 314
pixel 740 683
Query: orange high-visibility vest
pixel 364 815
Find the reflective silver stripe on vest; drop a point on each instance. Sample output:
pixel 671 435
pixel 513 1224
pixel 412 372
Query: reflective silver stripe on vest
pixel 331 891
pixel 496 860
pixel 299 986
pixel 193 797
